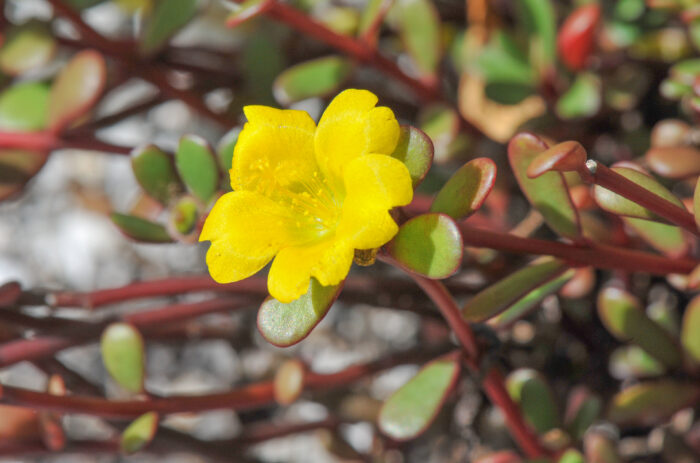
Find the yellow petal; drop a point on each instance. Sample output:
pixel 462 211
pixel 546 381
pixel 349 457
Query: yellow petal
pixel 374 184
pixel 350 127
pixel 246 230
pixel 328 261
pixel 274 150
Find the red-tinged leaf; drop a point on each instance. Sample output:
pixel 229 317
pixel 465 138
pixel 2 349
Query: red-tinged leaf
pixel 504 456
pixel 580 284
pixel 623 316
pixel 440 122
pixel 415 150
pixel 514 288
pixel 248 10
pixel 25 48
pixel 548 192
pixel 529 388
pixel 123 355
pixel 599 447
pixel 667 239
pixel 582 410
pixel 155 171
pixel 669 133
pixel 140 229
pixel 139 433
pixel 676 162
pixel 23 107
pixel 18 424
pixel 430 245
pixel 564 157
pixel 652 402
pixel 411 409
pixel 690 331
pixel 9 293
pixel 576 36
pixel 466 190
pixel 289 381
pixel 286 324
pixel 76 89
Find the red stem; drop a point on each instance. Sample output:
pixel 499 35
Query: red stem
pixel 47 141
pixel 493 381
pixel 611 180
pixel 596 255
pixel 244 398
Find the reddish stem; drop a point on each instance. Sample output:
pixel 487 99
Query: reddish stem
pixel 596 255
pixel 244 398
pixel 611 180
pixel 47 141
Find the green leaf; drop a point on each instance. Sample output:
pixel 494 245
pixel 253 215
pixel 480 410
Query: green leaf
pixel 540 20
pixel 430 245
pixel 225 149
pixel 26 47
pixel 466 190
pixel 582 99
pixel 690 331
pixel 286 324
pixel 528 285
pixel 529 389
pixel 523 306
pixel 167 18
pixel 583 409
pixel 155 172
pixel 23 107
pixel 612 202
pixel 547 193
pixel 622 315
pixel 571 456
pixel 419 28
pixel 140 229
pixel 676 162
pixel 316 78
pixel 139 433
pixel 415 150
pixel 652 402
pixel 184 215
pixel 501 61
pixel 122 353
pixel 440 122
pixel 76 89
pixel 634 362
pixel 668 239
pixel 289 381
pixel 411 409
pixel 197 167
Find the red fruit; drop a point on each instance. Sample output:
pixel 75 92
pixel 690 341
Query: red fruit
pixel 575 40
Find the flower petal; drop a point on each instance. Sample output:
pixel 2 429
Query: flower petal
pixel 374 184
pixel 350 127
pixel 274 150
pixel 328 261
pixel 246 230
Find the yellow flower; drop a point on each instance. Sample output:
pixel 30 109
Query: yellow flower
pixel 308 195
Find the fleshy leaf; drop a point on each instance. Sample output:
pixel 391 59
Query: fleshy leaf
pixel 184 216
pixel 316 78
pixel 165 20
pixel 675 162
pixel 140 229
pixel 286 324
pixel 440 122
pixel 575 39
pixel 563 157
pixel 502 62
pixel 26 47
pixel 516 287
pixel 583 409
pixel 599 447
pixel 571 456
pixel 412 408
pixel 76 89
pixel 430 245
pixel 530 390
pixel 616 204
pixel 582 99
pixel 225 148
pixel 651 402
pixel 289 381
pixel 540 20
pixel 123 356
pixel 634 362
pixel 668 239
pixel 503 456
pixel 197 167
pixel 466 190
pixel 139 433
pixel 690 331
pixel 419 28
pixel 23 107
pixel 547 193
pixel 155 172
pixel 415 150
pixel 622 315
